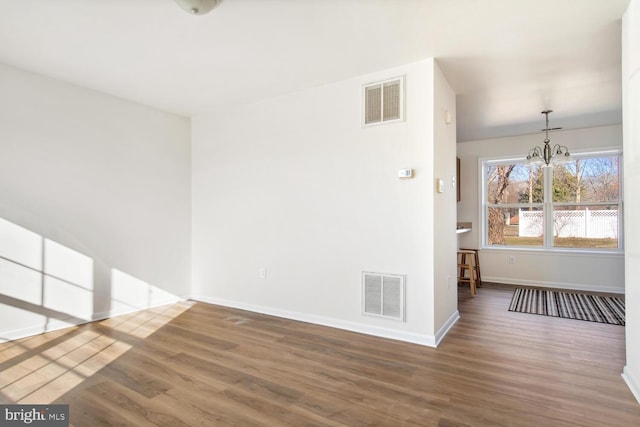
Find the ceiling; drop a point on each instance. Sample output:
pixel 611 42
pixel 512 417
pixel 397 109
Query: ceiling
pixel 507 60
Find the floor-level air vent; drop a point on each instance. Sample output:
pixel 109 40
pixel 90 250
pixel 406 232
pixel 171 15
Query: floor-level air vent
pixel 383 295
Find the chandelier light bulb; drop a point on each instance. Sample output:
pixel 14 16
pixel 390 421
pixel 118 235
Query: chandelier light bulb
pixel 198 7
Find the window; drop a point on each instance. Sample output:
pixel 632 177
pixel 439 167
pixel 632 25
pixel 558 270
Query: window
pixel 383 101
pixel 575 205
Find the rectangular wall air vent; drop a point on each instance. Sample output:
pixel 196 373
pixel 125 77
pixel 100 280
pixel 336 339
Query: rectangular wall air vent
pixel 383 101
pixel 383 295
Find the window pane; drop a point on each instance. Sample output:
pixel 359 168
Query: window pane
pixel 589 179
pixel 515 226
pixel 586 226
pixel 514 183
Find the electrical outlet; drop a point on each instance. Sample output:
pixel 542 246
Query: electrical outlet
pixel 262 272
pixel 512 260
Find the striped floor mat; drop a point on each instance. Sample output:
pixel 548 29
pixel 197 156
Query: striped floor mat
pixel 569 305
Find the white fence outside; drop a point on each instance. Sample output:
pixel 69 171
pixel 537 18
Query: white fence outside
pixel 582 223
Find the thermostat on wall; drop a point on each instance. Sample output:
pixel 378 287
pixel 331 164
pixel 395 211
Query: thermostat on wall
pixel 405 173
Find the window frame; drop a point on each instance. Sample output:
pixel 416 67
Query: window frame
pixel 548 205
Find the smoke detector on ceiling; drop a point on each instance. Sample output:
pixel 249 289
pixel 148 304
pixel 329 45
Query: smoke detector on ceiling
pixel 198 7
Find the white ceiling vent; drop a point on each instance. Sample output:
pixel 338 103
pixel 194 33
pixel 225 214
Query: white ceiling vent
pixel 383 295
pixel 384 101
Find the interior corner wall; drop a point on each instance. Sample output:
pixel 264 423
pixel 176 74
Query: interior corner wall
pixel 631 121
pixel 94 205
pixel 594 272
pixel 444 206
pixel 295 187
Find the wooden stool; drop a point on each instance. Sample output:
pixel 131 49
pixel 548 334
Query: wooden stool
pixel 466 263
pixel 476 266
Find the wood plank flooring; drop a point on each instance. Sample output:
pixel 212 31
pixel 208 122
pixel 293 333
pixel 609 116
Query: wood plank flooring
pixel 194 364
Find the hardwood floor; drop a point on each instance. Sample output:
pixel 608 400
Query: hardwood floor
pixel 197 364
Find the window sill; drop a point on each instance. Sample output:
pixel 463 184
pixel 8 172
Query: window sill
pixel 617 253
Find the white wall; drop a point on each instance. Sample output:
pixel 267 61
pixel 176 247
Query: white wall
pixel 444 206
pixel 602 272
pixel 297 186
pixel 94 205
pixel 631 120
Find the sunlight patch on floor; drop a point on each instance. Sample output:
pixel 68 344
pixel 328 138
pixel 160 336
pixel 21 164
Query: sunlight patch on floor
pixel 47 368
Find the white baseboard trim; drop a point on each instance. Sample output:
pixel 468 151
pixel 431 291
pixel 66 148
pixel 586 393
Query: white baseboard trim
pixel 557 285
pixel 444 330
pixel 632 382
pixel 57 324
pixel 412 337
pixel 16 334
pixel 132 309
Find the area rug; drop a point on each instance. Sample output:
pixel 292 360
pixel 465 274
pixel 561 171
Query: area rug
pixel 569 305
